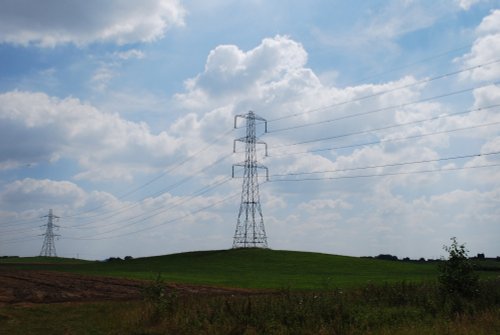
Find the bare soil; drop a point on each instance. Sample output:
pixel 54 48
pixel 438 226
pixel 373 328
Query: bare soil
pixel 34 286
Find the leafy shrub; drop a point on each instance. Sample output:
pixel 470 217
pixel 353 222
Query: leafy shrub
pixel 456 275
pixel 158 299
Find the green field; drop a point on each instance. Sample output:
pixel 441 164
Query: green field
pixel 310 293
pixel 253 268
pixel 249 268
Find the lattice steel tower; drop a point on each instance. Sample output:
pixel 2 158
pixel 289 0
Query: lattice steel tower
pixel 250 232
pixel 48 247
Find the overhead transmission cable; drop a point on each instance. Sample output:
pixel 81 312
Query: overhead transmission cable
pixel 387 140
pixel 419 82
pixel 163 210
pixel 21 240
pixel 202 191
pixel 444 95
pixel 169 170
pixel 389 164
pixel 396 125
pixel 424 60
pixel 111 213
pixel 163 223
pixel 161 175
pixel 387 174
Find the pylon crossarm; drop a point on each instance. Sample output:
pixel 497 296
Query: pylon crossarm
pixel 267 172
pixel 243 116
pixel 265 147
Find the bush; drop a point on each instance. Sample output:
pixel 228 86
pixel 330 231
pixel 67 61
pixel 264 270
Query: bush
pixel 456 275
pixel 159 300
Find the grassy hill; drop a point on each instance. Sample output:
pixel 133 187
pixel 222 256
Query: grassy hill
pixel 410 308
pixel 253 268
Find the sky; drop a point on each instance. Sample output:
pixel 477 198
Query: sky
pixel 383 124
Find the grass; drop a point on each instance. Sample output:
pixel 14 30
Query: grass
pixel 67 318
pixel 402 308
pixel 313 294
pixel 255 268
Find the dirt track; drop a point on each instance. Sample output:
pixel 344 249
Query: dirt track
pixel 30 286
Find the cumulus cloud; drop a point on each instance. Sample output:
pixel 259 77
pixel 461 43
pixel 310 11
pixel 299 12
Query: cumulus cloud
pixel 276 91
pixel 485 49
pixel 39 128
pixel 273 79
pixel 54 22
pixel 282 85
pixel 230 72
pixel 87 217
pixel 34 194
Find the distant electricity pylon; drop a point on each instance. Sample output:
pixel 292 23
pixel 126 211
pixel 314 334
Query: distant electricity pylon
pixel 250 232
pixel 48 247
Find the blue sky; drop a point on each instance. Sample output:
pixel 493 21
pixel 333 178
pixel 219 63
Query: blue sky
pixel 119 118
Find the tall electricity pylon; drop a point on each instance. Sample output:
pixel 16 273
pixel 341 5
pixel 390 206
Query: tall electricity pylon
pixel 250 232
pixel 48 247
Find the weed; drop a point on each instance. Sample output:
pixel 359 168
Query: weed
pixel 159 301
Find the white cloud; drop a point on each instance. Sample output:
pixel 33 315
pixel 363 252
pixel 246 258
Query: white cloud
pixel 38 128
pixel 109 67
pixel 380 209
pixel 378 29
pixel 35 194
pixel 95 215
pixel 466 4
pixel 130 54
pixel 348 216
pixel 485 49
pixel 49 23
pixel 231 73
pixel 316 205
pixel 102 76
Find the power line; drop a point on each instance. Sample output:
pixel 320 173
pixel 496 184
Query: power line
pixel 18 223
pixel 111 213
pixel 445 53
pixel 397 125
pixel 161 211
pixel 388 140
pixel 19 230
pixel 384 108
pixel 390 164
pixel 22 239
pixel 423 81
pixel 173 168
pixel 388 174
pixel 163 223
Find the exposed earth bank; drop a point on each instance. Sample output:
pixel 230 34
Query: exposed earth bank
pixel 34 286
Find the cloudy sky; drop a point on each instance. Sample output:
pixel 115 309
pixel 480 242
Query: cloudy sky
pixel 384 125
